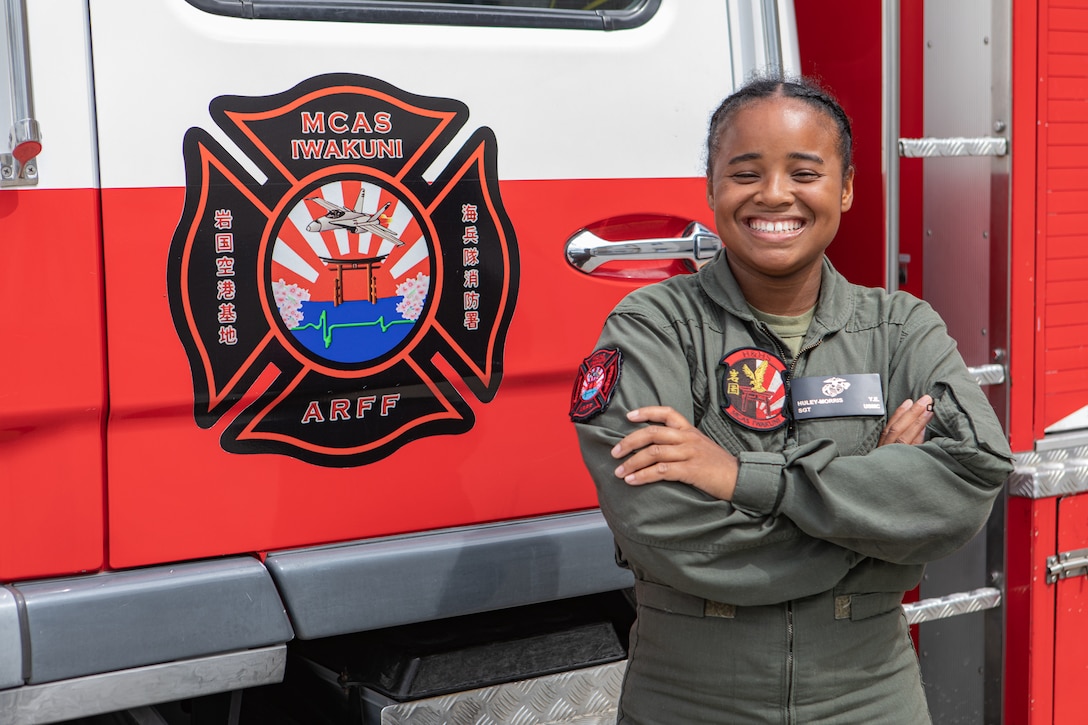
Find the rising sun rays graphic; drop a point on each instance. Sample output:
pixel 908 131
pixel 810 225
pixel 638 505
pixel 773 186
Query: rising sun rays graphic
pixel 351 271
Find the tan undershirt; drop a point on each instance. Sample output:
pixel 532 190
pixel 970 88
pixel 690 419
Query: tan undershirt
pixel 791 329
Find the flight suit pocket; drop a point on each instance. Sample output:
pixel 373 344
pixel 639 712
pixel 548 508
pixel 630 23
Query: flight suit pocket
pixel 857 607
pixel 854 435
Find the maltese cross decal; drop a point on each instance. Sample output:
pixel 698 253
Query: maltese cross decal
pixel 326 288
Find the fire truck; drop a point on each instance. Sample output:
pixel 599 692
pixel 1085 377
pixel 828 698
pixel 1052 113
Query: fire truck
pixel 296 291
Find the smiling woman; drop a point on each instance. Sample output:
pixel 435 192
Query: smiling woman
pixel 778 180
pixel 759 443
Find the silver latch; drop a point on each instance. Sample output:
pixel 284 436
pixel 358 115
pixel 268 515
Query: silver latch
pixel 1067 564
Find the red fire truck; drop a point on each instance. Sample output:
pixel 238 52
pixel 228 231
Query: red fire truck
pixel 296 293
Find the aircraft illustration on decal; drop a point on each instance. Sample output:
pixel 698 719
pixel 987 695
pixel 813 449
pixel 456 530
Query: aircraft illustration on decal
pixel 356 220
pixel 341 328
pixel 350 306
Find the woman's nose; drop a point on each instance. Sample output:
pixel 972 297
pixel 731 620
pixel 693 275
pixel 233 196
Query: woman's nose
pixel 776 190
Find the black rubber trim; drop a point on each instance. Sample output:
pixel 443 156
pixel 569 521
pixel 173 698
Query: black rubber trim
pixel 430 13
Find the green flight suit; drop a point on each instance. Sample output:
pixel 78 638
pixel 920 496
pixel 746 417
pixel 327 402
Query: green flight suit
pixel 825 533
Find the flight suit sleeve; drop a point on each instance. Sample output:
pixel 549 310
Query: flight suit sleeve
pixel 672 533
pixel 906 504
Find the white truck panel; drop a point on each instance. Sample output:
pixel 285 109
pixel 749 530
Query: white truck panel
pixel 560 87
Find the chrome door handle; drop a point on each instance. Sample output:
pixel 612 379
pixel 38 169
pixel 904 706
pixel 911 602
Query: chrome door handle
pixel 586 251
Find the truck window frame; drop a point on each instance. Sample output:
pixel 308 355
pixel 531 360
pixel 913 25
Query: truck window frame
pixel 404 12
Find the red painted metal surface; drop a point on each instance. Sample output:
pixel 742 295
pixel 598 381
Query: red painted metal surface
pixel 1029 643
pixel 1071 618
pixel 175 494
pixel 1026 185
pixel 1062 342
pixel 53 403
pixel 852 71
pixel 911 125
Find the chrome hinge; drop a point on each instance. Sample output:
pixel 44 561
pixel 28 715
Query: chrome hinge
pixel 1066 565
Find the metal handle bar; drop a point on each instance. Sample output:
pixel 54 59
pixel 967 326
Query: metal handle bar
pixel 18 167
pixel 586 251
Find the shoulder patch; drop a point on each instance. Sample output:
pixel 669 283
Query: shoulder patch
pixel 595 384
pixel 754 389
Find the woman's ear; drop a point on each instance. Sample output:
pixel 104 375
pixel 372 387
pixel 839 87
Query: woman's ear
pixel 848 189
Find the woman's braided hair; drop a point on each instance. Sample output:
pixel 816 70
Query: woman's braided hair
pixel 802 88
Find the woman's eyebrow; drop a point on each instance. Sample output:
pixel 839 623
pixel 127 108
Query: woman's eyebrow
pixel 751 156
pixel 755 155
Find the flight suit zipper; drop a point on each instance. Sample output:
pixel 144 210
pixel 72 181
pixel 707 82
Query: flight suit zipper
pixel 791 431
pixel 789 663
pixel 791 424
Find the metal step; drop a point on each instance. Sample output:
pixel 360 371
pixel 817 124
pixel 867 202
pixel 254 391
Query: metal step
pixel 579 697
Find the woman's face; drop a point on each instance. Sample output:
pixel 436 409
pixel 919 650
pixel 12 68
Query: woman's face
pixel 777 188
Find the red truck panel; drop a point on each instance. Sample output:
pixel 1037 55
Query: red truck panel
pixel 1023 229
pixel 176 494
pixel 852 72
pixel 1061 364
pixel 1071 625
pixel 53 368
pixel 1029 659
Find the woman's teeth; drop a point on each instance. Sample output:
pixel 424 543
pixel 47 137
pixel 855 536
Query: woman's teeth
pixel 761 225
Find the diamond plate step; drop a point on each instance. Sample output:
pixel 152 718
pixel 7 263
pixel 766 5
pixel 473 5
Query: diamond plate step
pixel 579 697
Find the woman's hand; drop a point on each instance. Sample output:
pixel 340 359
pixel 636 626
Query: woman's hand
pixel 675 450
pixel 908 422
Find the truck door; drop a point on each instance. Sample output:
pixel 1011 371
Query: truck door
pixel 340 300
pixel 303 285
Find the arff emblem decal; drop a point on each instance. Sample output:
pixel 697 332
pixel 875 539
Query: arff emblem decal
pixel 329 294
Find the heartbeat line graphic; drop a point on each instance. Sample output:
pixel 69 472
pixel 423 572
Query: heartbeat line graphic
pixel 327 329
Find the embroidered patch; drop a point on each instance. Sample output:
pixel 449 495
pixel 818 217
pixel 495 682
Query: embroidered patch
pixel 754 388
pixel 595 384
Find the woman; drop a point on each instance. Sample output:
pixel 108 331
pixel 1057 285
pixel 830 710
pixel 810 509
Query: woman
pixel 778 452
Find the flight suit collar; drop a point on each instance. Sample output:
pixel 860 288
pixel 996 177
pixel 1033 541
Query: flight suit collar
pixel 834 308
